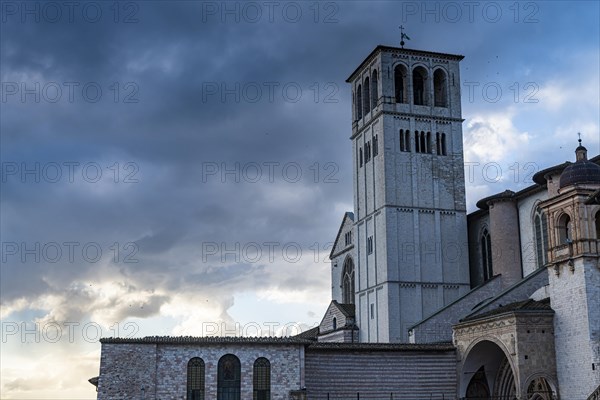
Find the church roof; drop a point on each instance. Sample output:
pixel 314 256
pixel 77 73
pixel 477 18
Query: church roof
pixel 208 340
pixel 540 181
pixel 310 334
pixel 516 307
pixel 341 346
pixel 347 309
pixel 405 51
pixel 582 171
pixel 540 176
pixel 349 215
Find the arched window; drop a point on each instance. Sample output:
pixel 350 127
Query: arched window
pixel 540 224
pixel 195 379
pixel 419 93
pixel 598 225
pixel 366 97
pixel 443 144
pixel 334 323
pixel 423 145
pixel 360 157
pixel 439 88
pixel 438 144
pixel 428 142
pixel 564 229
pixel 228 378
pixel 486 255
pixel 348 281
pixel 262 379
pixel 374 90
pixel 404 140
pixel 417 141
pixel 359 102
pixel 400 88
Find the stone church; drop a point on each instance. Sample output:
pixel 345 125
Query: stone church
pixel 428 302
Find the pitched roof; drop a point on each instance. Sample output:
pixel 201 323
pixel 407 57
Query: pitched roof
pixel 516 307
pixel 347 309
pixel 310 334
pixel 349 215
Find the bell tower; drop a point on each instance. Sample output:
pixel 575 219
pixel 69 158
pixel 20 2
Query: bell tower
pixel 410 225
pixel 574 275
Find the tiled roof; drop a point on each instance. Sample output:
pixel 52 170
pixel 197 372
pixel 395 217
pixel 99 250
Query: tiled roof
pixel 335 346
pixel 346 309
pixel 310 334
pixel 207 340
pixel 516 307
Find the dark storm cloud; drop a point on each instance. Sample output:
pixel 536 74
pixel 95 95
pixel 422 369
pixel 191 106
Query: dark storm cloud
pixel 171 140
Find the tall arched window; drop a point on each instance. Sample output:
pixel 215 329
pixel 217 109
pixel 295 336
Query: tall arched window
pixel 419 93
pixel 404 140
pixel 195 379
pixel 348 281
pixel 334 323
pixel 262 379
pixel 598 225
pixel 366 97
pixel 417 142
pixel 360 157
pixel 564 229
pixel 443 144
pixel 428 142
pixel 400 88
pixel 374 89
pixel 228 378
pixel 486 255
pixel 359 102
pixel 540 224
pixel 375 145
pixel 439 88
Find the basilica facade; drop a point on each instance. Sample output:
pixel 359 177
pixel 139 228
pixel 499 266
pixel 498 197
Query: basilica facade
pixel 428 302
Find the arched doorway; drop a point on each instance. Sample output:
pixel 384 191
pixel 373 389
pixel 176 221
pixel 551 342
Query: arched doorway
pixel 487 374
pixel 540 389
pixel 478 386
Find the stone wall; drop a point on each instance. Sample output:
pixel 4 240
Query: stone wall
pixel 127 371
pixel 161 369
pixel 575 297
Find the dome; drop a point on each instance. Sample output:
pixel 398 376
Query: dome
pixel 580 172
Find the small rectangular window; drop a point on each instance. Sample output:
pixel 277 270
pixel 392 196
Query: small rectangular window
pixel 370 245
pixel 372 311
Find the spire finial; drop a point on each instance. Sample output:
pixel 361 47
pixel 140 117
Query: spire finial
pixel 403 36
pixel 580 151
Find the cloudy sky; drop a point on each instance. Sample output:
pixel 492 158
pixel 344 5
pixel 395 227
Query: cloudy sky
pixel 175 168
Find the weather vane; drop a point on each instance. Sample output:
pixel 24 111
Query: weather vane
pixel 403 36
pixel 579 134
